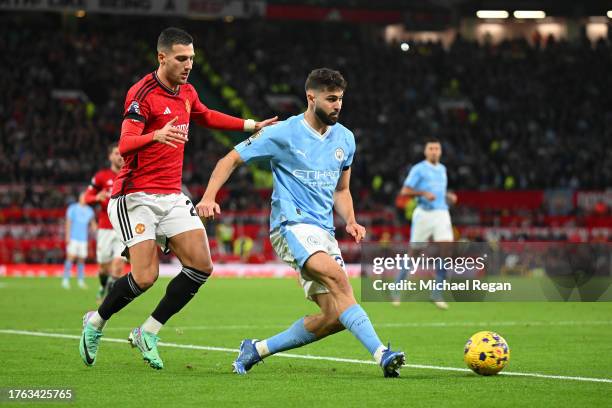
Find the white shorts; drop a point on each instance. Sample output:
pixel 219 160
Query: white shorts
pixel 434 224
pixel 138 217
pixel 108 246
pixel 77 249
pixel 295 243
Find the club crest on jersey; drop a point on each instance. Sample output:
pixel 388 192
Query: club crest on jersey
pixel 339 154
pixel 187 106
pixel 140 228
pixel 134 108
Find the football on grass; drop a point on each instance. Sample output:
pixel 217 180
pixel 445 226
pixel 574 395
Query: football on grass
pixel 486 353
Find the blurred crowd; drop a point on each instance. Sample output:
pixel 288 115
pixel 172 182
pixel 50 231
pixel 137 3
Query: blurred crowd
pixel 510 116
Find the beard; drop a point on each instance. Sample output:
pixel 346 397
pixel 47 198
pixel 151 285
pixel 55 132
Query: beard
pixel 328 119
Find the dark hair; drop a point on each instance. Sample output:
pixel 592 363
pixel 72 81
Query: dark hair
pixel 431 140
pixel 112 146
pixel 171 36
pixel 325 79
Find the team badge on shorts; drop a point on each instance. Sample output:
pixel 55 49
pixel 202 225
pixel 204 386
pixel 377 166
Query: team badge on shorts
pixel 339 260
pixel 187 106
pixel 312 240
pixel 339 154
pixel 140 228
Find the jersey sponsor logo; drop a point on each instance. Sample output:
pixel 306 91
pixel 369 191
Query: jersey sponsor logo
pixel 339 154
pixel 140 228
pixel 187 106
pixel 134 108
pixel 317 178
pixel 167 111
pixel 316 174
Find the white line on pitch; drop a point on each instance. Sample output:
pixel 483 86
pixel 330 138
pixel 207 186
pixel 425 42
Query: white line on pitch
pixel 308 357
pixel 378 325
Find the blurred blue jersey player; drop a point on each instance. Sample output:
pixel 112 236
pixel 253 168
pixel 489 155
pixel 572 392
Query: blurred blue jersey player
pixel 427 182
pixel 79 217
pixel 310 156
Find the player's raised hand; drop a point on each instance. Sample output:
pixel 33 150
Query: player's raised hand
pixel 264 123
pixel 357 231
pixel 207 209
pixel 170 135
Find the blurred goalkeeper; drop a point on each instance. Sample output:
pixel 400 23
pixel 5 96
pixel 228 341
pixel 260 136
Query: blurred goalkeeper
pixel 311 156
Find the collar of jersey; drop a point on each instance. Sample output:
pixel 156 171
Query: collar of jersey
pixel 314 132
pixel 164 87
pixel 435 166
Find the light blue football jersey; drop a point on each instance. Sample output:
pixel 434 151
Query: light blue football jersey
pixel 79 216
pixel 306 167
pixel 425 176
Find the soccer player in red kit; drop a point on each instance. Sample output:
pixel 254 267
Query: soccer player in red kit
pixel 108 243
pixel 147 203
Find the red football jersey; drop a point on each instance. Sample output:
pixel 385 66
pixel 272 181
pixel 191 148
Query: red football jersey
pixel 157 167
pixel 101 181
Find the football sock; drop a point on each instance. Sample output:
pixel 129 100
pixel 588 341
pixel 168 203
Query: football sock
pixel 109 284
pixel 81 270
pixel 97 321
pixel 124 291
pixel 295 336
pixel 151 325
pixel 67 269
pixel 179 292
pixel 103 279
pixel 356 320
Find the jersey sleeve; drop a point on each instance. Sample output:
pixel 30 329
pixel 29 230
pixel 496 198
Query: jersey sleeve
pixel 70 212
pixel 136 108
pixel 263 145
pixel 93 189
pixel 413 178
pixel 206 117
pixel 348 161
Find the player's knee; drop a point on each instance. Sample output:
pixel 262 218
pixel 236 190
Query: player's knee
pixel 338 283
pixel 205 268
pixel 146 278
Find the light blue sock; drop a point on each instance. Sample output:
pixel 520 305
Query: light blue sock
pixel 294 337
pixel 81 270
pixel 67 269
pixel 356 320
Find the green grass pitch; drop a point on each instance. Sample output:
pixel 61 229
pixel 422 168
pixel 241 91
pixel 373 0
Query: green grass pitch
pixel 552 339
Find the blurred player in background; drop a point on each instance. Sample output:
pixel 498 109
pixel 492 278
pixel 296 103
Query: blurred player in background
pixel 109 246
pixel 311 157
pixel 147 202
pixel 427 182
pixel 79 219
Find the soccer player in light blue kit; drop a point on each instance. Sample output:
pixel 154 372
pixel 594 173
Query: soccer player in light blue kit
pixel 79 217
pixel 311 156
pixel 428 182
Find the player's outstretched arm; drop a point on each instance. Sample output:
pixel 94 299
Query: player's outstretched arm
pixel 208 207
pixel 213 119
pixel 343 204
